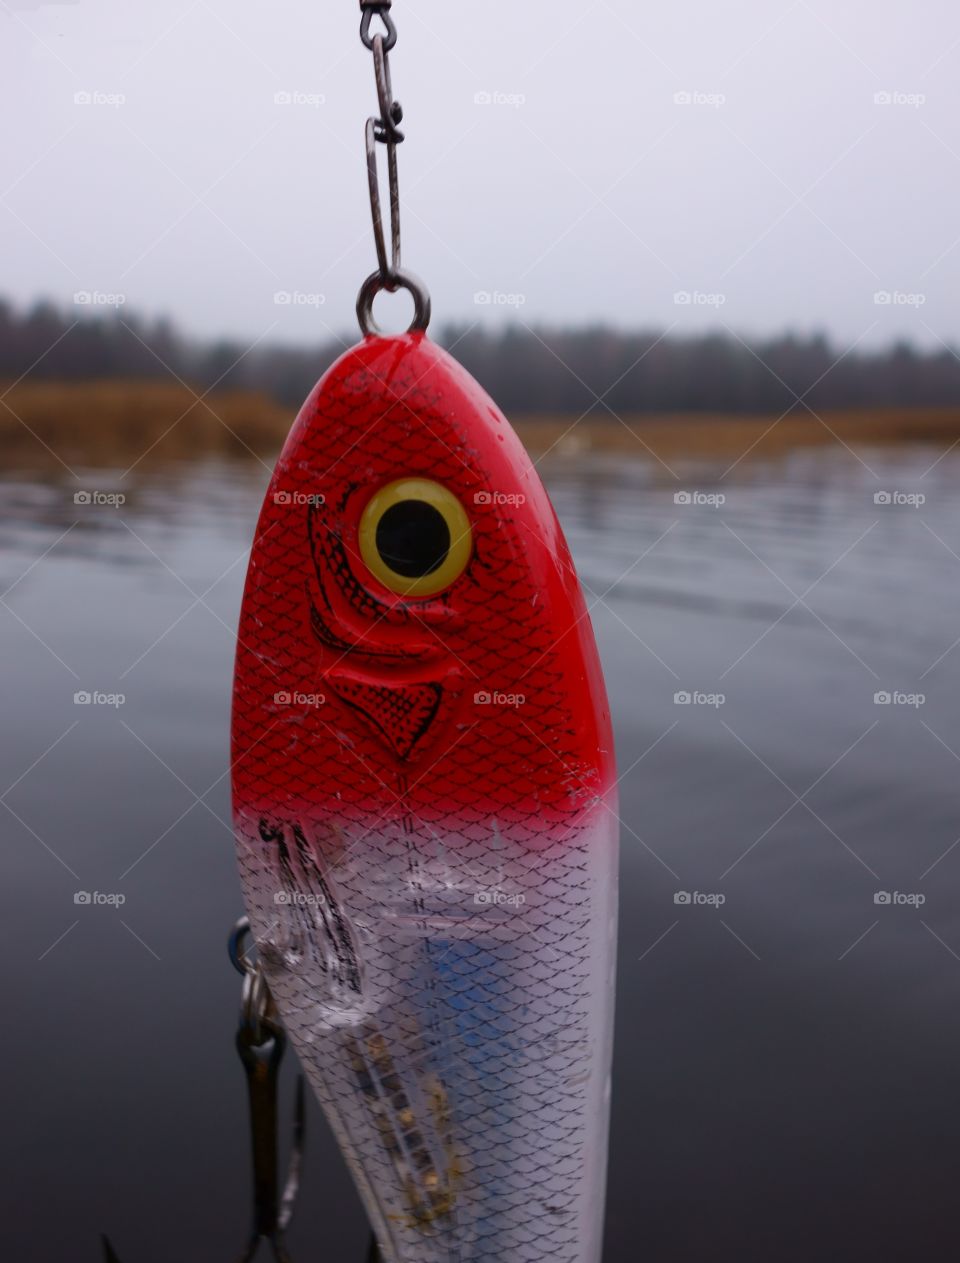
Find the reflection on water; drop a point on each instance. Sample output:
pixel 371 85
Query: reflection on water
pixel 787 1044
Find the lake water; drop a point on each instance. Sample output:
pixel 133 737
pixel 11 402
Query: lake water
pixel 788 1032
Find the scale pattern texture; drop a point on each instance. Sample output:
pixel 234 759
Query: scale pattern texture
pixel 425 817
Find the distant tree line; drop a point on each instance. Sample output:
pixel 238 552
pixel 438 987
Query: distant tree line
pixel 528 371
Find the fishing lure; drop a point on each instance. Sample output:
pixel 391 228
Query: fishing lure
pixel 424 797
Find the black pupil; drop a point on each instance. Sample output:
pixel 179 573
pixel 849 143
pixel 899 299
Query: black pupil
pixel 413 538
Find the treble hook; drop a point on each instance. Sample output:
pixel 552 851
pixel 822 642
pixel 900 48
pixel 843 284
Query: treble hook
pixel 261 1043
pixel 270 1216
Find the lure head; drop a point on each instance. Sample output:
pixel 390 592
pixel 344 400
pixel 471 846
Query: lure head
pixel 423 803
pixel 414 641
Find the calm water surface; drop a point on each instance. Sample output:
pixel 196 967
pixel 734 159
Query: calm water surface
pixel 788 1039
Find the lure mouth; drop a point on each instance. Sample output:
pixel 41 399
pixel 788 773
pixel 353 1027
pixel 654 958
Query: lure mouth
pixel 402 715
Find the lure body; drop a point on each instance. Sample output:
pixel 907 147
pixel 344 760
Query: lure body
pixel 424 806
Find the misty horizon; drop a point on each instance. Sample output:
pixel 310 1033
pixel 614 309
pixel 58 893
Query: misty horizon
pixel 93 305
pixel 780 168
pixel 529 369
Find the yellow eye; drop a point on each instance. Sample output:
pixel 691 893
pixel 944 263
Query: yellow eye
pixel 415 537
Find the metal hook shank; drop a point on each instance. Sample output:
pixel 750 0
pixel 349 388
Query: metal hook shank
pixel 385 130
pixel 391 111
pixel 387 269
pixel 261 1043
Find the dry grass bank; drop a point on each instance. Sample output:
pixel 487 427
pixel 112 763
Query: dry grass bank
pixel 699 435
pixel 100 423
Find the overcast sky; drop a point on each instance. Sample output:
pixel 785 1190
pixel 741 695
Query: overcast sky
pixel 549 163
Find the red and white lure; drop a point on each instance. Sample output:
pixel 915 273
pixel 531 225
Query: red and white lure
pixel 425 804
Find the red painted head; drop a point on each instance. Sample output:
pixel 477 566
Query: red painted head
pixel 414 646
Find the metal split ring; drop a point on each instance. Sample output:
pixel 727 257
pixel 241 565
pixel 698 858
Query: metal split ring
pixel 256 1007
pixel 238 958
pixel 400 279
